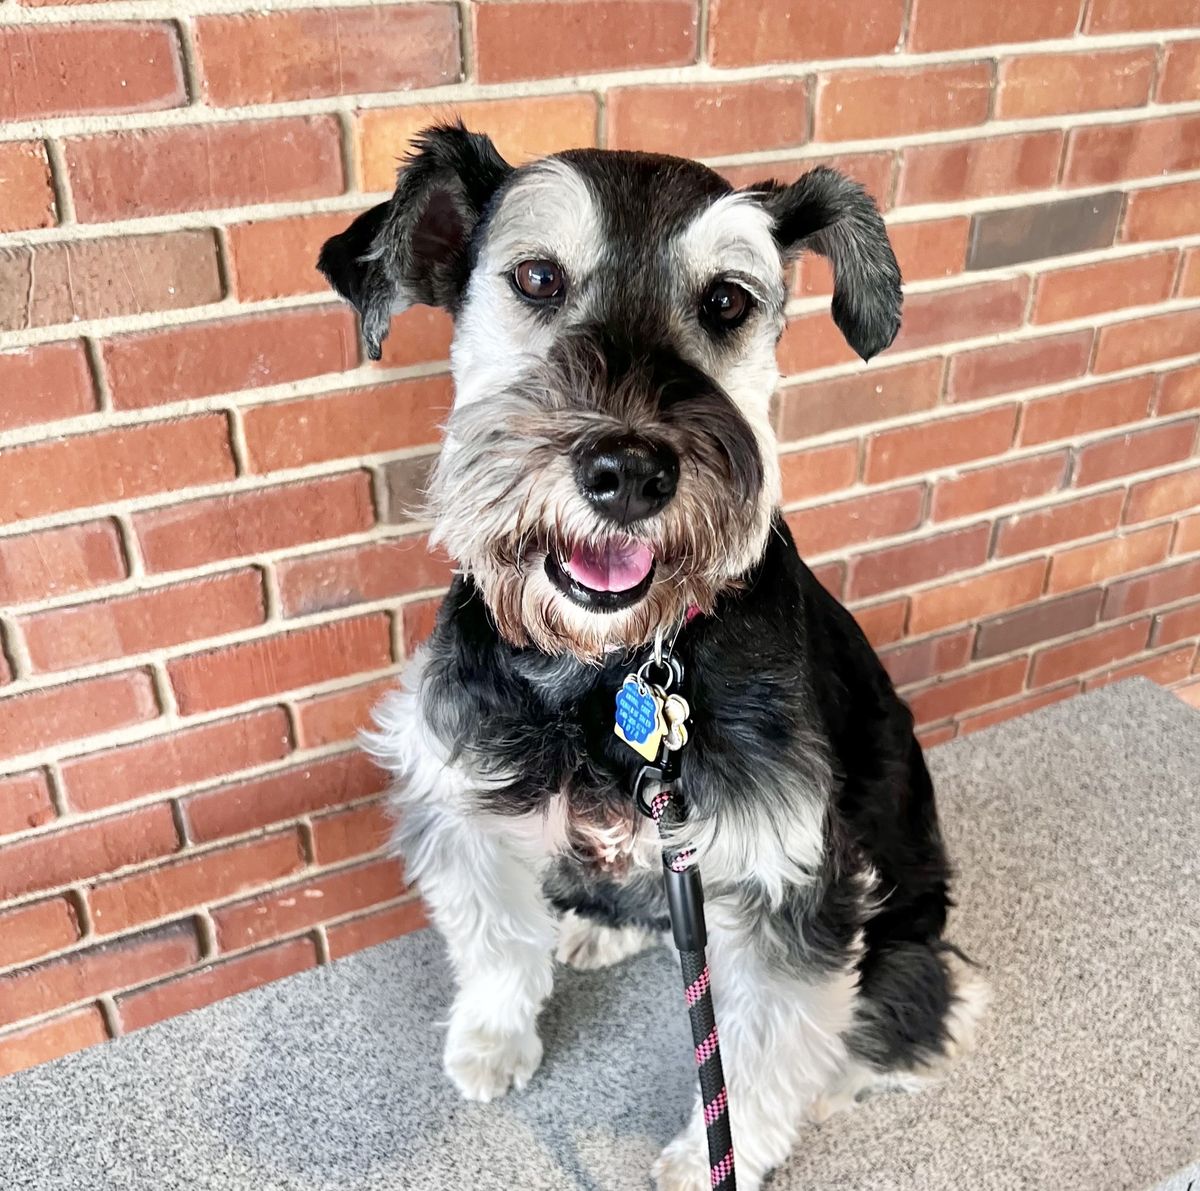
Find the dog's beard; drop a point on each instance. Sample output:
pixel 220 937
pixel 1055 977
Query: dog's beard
pixel 503 500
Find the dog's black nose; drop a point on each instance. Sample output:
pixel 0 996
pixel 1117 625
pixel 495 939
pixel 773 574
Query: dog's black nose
pixel 626 477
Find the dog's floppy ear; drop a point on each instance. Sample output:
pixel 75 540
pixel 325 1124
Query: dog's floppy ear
pixel 826 212
pixel 414 248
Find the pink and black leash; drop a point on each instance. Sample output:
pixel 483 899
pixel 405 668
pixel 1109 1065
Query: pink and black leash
pixel 685 901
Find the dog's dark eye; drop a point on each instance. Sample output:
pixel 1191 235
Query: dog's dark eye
pixel 725 305
pixel 540 280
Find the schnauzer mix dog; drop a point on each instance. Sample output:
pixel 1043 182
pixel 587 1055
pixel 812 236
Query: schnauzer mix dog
pixel 609 467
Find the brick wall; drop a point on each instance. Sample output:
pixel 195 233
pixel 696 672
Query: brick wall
pixel 206 571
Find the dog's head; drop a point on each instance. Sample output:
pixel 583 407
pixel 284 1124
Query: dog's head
pixel 609 461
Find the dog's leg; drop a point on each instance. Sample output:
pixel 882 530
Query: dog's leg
pixel 585 943
pixel 780 1045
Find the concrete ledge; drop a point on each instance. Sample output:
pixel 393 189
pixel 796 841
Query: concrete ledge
pixel 1077 832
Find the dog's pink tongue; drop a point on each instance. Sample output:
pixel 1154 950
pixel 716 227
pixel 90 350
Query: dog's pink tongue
pixel 615 566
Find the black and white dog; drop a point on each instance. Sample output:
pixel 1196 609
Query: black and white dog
pixel 609 467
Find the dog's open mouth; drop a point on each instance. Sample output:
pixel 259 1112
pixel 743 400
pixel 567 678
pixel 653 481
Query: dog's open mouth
pixel 604 578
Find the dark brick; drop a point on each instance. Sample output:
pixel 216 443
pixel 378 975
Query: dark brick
pixel 404 481
pixel 1046 229
pixel 1041 622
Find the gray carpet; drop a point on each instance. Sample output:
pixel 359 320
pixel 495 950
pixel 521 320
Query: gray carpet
pixel 1077 831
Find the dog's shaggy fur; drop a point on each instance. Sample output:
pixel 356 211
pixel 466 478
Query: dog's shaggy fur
pixel 808 797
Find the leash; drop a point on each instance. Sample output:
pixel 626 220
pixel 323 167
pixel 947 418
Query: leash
pixel 652 720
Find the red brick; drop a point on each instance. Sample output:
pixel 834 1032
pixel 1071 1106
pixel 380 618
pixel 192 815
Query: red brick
pixel 745 32
pixel 580 37
pixel 1089 653
pixel 965 312
pixel 1165 669
pixel 70 70
pixel 1181 625
pixel 1179 80
pixel 247 523
pixel 1061 522
pixel 259 802
pixel 347 834
pixel 1057 84
pixel 1102 153
pixel 359 933
pixel 26 194
pixel 1019 364
pixel 123 175
pixel 915 661
pixel 196 881
pixel 329 895
pixel 1178 391
pixel 214 983
pixel 1189 693
pixel 113 465
pixel 1189 275
pixel 1147 592
pixel 375 571
pixel 925 250
pixel 57 561
pixel 24 801
pixel 418 618
pixel 51 1039
pixel 522 128
pixel 971 599
pixel 1187 534
pixel 873 395
pixel 813 341
pixel 87 850
pixel 1120 16
pixel 85 707
pixel 883 623
pixel 918 562
pixel 861 519
pixel 949 25
pixel 819 470
pixel 1044 621
pixel 277 258
pixel 968 692
pixel 178 363
pixel 1081 411
pixel 1107 285
pixel 931 737
pixel 44 384
pixel 251 669
pixel 164 616
pixel 870 103
pixel 1163 213
pixel 1008 711
pixel 1001 484
pixel 872 170
pixel 180 759
pixel 707 120
pixel 87 974
pixel 832 577
pixel 1138 450
pixel 420 335
pixel 331 719
pixel 347 424
pixel 37 929
pixel 1144 340
pixel 1099 562
pixel 973 169
pixel 909 450
pixel 45 284
pixel 271 57
pixel 1163 496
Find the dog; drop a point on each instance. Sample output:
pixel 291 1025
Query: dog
pixel 609 468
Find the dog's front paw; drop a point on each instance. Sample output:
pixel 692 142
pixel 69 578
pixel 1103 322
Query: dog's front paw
pixel 484 1064
pixel 586 944
pixel 683 1165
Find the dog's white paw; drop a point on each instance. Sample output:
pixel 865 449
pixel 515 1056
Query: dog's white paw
pixel 484 1065
pixel 683 1165
pixel 586 944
